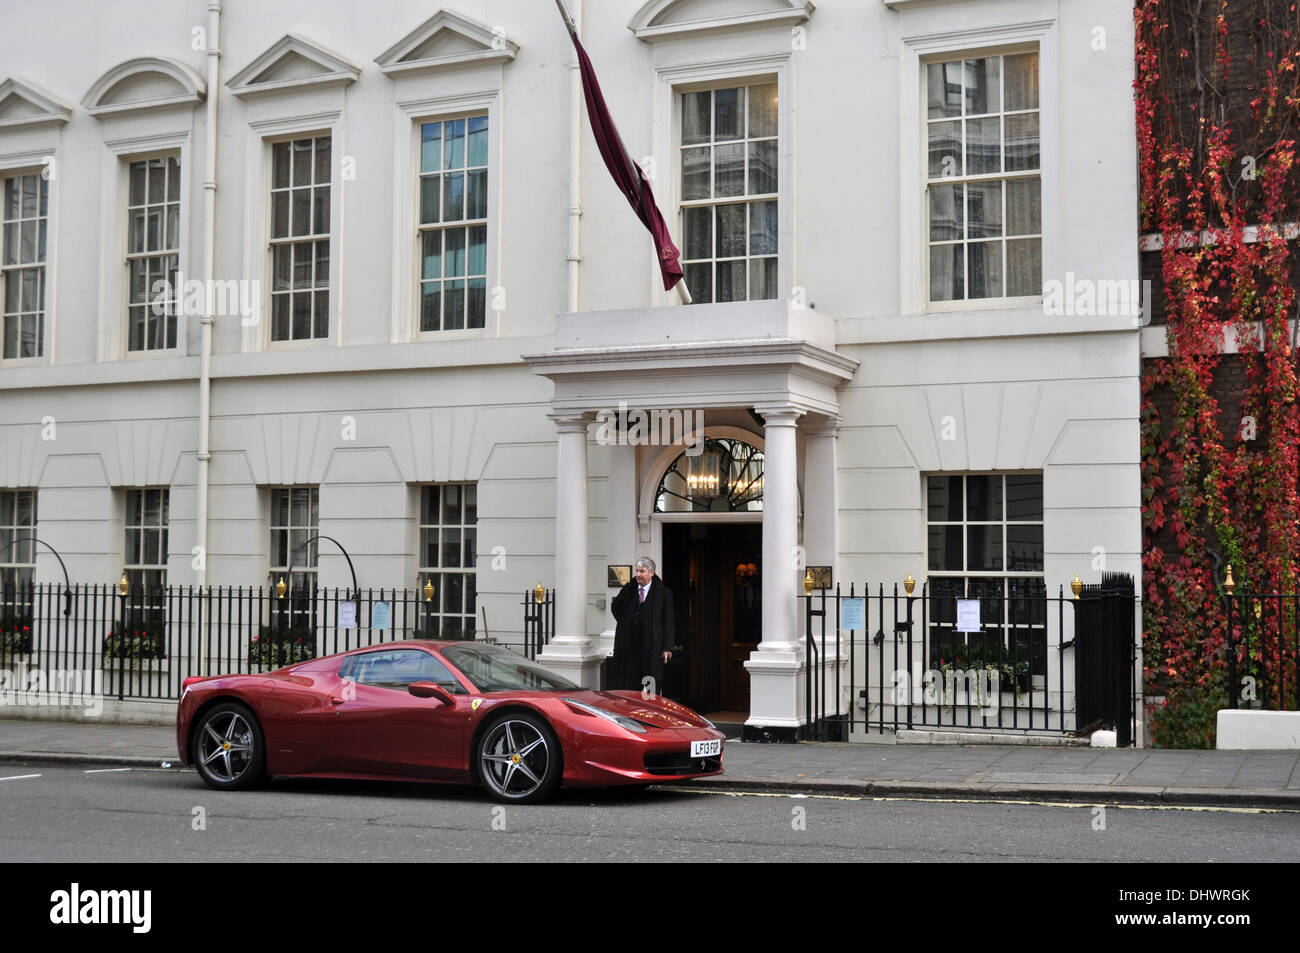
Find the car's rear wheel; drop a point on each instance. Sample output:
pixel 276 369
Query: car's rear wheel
pixel 519 759
pixel 229 750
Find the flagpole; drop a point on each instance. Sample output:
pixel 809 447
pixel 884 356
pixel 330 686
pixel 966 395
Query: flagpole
pixel 568 20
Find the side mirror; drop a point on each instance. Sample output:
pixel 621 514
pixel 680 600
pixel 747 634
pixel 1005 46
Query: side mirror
pixel 431 690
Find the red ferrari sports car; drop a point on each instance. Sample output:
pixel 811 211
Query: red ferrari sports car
pixel 458 712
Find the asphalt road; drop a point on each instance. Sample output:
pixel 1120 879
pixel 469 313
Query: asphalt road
pixel 79 815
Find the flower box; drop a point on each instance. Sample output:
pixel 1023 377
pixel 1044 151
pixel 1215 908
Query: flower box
pixel 136 677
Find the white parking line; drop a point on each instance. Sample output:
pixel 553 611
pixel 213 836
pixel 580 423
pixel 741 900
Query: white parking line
pixel 1202 808
pixel 104 770
pixel 19 777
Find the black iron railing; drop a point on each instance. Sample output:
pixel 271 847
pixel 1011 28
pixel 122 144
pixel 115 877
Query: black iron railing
pixel 146 643
pixel 1263 650
pixel 883 660
pixel 539 620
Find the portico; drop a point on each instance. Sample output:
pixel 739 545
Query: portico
pixel 764 373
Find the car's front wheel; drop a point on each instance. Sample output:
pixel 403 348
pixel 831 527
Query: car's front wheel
pixel 519 759
pixel 228 748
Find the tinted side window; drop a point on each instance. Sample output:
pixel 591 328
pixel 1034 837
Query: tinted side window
pixel 397 669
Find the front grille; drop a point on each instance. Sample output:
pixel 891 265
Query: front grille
pixel 680 762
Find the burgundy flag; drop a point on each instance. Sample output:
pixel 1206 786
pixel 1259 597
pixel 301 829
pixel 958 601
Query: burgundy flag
pixel 627 174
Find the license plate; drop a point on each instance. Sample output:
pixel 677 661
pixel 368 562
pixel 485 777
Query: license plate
pixel 706 749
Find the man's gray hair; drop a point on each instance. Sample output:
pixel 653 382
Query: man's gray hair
pixel 647 562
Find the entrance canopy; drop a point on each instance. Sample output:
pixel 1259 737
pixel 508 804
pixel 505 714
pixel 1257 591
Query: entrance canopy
pixel 767 358
pixel 743 353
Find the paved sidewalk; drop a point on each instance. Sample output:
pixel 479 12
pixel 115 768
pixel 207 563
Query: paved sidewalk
pixel 1011 772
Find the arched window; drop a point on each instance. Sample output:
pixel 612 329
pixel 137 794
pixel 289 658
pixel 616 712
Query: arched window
pixel 726 476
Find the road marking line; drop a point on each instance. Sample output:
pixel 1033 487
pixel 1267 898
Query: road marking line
pixel 104 770
pixel 19 777
pixel 982 800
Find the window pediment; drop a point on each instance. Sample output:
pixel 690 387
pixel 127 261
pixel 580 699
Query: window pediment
pixel 24 105
pixel 446 39
pixel 144 83
pixel 293 63
pixel 668 19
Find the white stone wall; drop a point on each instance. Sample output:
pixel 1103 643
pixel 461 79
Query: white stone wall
pixel 1030 392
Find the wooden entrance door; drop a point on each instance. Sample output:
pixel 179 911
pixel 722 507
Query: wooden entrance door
pixel 714 572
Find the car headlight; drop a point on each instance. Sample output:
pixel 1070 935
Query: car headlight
pixel 619 720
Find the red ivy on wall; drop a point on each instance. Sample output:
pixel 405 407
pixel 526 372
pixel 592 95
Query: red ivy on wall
pixel 1216 477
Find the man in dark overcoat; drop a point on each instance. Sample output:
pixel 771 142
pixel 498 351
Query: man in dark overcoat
pixel 643 635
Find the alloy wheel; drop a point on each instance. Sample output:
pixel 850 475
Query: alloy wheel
pixel 515 759
pixel 227 747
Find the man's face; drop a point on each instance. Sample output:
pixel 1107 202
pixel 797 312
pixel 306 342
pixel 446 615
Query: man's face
pixel 643 575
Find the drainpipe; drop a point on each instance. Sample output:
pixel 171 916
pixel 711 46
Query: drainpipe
pixel 204 455
pixel 575 166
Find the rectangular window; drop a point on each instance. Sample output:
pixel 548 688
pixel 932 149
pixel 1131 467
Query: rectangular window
pixel 985 542
pixel 17 566
pixel 448 558
pixel 153 252
pixel 145 552
pixel 453 223
pixel 300 239
pixel 729 184
pixel 295 519
pixel 22 266
pixel 983 178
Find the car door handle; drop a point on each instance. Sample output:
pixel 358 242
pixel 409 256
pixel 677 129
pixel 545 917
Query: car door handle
pixel 336 700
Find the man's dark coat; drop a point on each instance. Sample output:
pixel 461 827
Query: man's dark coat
pixel 657 635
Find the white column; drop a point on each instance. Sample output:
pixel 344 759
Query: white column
pixel 775 667
pixel 571 651
pixel 780 532
pixel 821 544
pixel 621 545
pixel 821 535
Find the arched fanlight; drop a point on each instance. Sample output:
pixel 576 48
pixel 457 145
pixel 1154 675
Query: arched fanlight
pixel 725 476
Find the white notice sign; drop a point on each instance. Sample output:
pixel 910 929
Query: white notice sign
pixel 347 615
pixel 853 613
pixel 968 615
pixel 381 616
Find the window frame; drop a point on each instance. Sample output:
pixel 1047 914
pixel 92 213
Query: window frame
pixel 272 242
pixel 178 294
pixel 715 201
pixel 137 573
pixel 972 42
pixel 443 227
pixel 1037 635
pixel 671 83
pixel 258 258
pixel 304 603
pixel 112 329
pixel 409 115
pixel 18 171
pixel 10 567
pixel 1003 177
pixel 424 572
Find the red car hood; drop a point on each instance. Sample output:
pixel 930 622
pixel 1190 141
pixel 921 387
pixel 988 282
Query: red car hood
pixel 658 711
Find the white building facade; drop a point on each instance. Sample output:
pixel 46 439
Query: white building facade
pixel 279 270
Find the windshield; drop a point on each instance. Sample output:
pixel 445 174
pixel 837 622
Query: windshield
pixel 493 669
